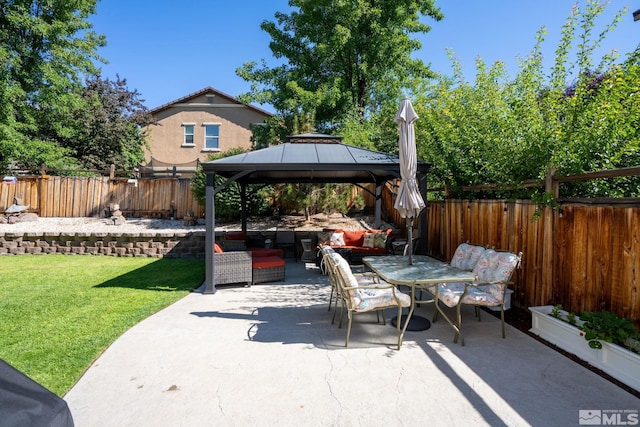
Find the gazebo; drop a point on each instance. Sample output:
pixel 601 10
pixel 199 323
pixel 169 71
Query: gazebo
pixel 307 158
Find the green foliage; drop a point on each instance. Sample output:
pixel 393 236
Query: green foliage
pixel 100 127
pixel 608 327
pixel 57 319
pixel 338 57
pixel 335 198
pixel 543 200
pixel 506 130
pixel 45 49
pixel 228 203
pixel 272 132
pixel 602 326
pixel 311 199
pixel 109 129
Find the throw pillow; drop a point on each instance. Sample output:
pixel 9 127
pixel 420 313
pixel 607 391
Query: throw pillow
pixel 324 238
pixel 337 239
pixel 380 240
pixel 369 240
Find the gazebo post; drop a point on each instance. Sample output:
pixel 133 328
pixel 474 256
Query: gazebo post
pixel 243 205
pixel 378 209
pixel 210 235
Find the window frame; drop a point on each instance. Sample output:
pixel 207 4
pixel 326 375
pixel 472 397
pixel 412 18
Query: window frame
pixel 185 135
pixel 205 137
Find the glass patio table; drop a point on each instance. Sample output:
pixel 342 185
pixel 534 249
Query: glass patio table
pixel 421 274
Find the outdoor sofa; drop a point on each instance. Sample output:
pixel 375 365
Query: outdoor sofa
pixel 248 265
pixel 356 244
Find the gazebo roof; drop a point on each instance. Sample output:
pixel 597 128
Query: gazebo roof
pixel 329 161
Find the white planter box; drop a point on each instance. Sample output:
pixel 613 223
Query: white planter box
pixel 616 361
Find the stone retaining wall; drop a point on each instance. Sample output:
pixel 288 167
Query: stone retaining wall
pixel 156 245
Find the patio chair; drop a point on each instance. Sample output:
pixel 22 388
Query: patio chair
pixel 465 257
pixel 494 271
pixel 327 266
pixel 286 239
pixel 358 298
pixel 329 260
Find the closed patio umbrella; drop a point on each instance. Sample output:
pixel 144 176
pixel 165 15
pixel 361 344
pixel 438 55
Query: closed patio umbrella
pixel 409 202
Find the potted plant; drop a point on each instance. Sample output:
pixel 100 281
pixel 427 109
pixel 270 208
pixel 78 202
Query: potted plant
pixel 597 338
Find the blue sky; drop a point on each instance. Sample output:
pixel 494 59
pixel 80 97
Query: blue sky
pixel 167 49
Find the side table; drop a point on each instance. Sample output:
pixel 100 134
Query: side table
pixel 307 250
pixel 397 247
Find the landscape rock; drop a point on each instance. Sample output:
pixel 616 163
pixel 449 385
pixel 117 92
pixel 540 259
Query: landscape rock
pixel 28 217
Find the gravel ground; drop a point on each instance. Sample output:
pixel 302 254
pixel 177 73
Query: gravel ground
pixel 136 225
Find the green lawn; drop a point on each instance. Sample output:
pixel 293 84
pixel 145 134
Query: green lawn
pixel 58 313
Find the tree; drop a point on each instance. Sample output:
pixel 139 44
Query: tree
pixel 106 126
pixel 46 47
pixel 501 130
pixel 340 57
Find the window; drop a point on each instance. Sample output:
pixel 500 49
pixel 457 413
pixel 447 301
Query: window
pixel 188 133
pixel 211 136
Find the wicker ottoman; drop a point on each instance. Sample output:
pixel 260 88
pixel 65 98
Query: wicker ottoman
pixel 267 269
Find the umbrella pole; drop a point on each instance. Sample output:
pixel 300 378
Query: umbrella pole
pixel 410 239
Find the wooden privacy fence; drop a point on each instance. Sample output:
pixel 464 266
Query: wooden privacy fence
pixel 61 196
pixel 585 254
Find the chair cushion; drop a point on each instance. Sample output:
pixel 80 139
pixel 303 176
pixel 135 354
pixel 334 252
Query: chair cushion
pixel 493 271
pixel 466 256
pixel 495 266
pixel 368 299
pixel 266 252
pixel 267 262
pixel 488 295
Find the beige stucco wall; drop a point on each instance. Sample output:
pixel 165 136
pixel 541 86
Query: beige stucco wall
pixel 167 136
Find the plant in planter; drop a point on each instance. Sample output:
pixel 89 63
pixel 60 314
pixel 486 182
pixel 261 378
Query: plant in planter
pixel 601 326
pixel 608 327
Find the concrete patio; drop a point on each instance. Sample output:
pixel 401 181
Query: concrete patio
pixel 268 355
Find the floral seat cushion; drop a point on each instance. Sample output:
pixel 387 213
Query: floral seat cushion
pixel 367 299
pixel 493 271
pixel 488 295
pixel 466 256
pixel 495 266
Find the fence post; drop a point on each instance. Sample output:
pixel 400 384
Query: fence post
pixel 546 293
pixel 42 190
pixel 112 171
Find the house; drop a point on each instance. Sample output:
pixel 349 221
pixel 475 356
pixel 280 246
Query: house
pixel 190 128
